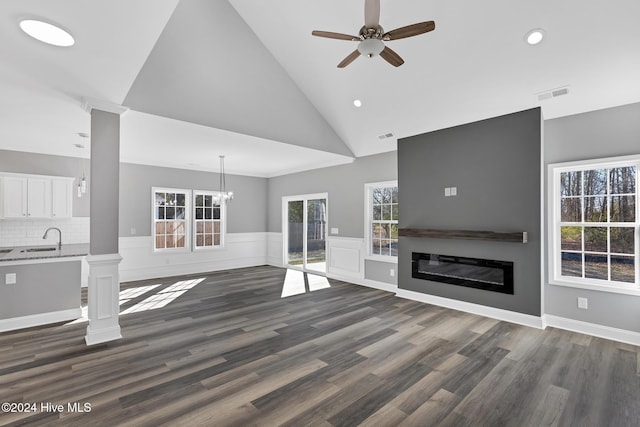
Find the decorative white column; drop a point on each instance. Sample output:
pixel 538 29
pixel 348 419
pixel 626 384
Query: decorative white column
pixel 104 259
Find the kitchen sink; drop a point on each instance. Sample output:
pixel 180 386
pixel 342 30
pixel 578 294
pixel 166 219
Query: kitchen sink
pixel 47 249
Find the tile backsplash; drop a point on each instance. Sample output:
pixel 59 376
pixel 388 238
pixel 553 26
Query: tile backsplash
pixel 29 232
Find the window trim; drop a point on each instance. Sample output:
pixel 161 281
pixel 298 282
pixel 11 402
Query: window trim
pixel 188 222
pixel 223 222
pixel 368 218
pixel 553 227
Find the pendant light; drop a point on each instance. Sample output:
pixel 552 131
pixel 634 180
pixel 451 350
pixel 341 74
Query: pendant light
pixel 223 195
pixel 82 181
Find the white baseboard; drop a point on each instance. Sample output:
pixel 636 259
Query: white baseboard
pixel 593 329
pixel 39 319
pixel 492 312
pixel 387 287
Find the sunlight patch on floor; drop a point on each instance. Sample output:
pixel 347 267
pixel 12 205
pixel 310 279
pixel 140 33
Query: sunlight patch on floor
pixel 131 293
pixel 317 282
pixel 293 283
pixel 164 297
pixel 298 282
pixel 157 300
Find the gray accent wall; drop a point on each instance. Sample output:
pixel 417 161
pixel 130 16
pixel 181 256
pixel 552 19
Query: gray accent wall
pixel 598 134
pixel 45 164
pixel 496 166
pixel 246 213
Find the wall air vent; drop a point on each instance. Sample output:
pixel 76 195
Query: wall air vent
pixel 554 93
pixel 385 136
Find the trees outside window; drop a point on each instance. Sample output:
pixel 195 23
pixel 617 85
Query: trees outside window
pixel 382 219
pixel 595 223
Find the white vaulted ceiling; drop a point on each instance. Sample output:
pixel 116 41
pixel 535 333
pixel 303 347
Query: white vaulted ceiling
pixel 246 79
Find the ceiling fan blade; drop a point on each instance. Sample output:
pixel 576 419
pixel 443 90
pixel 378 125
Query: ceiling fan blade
pixel 409 31
pixel 331 35
pixel 349 59
pixel 391 57
pixel 371 13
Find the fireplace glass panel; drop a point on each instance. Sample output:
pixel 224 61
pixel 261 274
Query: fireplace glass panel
pixel 490 275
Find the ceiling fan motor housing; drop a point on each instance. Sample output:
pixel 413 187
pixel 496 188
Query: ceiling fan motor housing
pixel 370 47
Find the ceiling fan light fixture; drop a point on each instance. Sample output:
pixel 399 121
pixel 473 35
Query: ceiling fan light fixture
pixel 47 33
pixel 534 36
pixel 370 47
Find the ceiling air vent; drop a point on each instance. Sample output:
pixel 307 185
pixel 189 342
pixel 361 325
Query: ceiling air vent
pixel 554 93
pixel 385 136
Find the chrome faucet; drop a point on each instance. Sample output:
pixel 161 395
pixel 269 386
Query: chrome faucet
pixel 59 235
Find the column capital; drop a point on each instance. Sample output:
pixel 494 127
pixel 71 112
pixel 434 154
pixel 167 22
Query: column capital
pixel 89 104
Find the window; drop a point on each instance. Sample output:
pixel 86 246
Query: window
pixel 171 219
pixel 208 220
pixel 595 224
pixel 382 220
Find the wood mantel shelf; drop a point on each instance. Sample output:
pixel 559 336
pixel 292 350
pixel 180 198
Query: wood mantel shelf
pixel 496 236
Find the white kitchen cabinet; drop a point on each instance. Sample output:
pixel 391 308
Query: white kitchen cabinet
pixel 14 197
pixel 38 198
pixel 62 197
pixel 35 196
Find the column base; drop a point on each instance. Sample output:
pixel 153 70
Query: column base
pixel 103 299
pixel 102 335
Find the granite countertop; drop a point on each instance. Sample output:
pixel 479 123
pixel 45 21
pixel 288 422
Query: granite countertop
pixel 16 253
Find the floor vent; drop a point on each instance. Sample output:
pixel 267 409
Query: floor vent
pixel 554 93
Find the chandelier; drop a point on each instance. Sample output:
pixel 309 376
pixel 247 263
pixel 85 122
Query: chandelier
pixel 223 195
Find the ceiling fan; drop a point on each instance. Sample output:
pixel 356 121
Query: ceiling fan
pixel 372 37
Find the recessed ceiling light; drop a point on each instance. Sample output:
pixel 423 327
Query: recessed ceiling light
pixel 534 36
pixel 47 33
pixel 357 103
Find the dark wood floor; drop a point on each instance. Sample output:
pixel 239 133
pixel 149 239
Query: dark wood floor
pixel 230 351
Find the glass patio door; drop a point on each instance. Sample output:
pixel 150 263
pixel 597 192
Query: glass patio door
pixel 305 232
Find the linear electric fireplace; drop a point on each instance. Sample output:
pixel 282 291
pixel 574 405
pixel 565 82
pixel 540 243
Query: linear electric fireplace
pixel 490 275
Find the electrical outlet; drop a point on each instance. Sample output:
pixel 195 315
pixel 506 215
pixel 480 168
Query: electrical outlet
pixel 335 230
pixel 392 272
pixel 133 231
pixel 583 303
pixel 10 278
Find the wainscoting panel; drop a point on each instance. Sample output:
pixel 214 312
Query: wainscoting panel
pixel 275 248
pixel 345 257
pixel 140 262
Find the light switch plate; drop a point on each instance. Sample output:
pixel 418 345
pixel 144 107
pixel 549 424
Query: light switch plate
pixel 335 230
pixel 447 192
pixel 10 278
pixel 454 191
